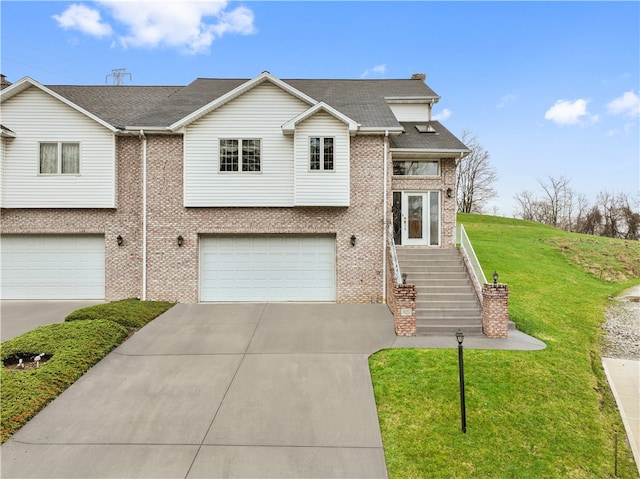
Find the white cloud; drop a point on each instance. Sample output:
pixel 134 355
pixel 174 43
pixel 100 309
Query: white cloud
pixel 443 115
pixel 505 100
pixel 628 104
pixel 565 112
pixel 85 19
pixel 378 69
pixel 188 25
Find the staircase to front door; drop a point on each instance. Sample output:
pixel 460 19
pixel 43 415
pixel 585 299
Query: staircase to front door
pixel 446 300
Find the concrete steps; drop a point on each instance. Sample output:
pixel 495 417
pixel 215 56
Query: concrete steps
pixel 446 300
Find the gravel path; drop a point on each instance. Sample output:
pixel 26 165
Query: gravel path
pixel 622 327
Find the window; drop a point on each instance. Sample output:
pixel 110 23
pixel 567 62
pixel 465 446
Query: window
pixel 59 158
pixel 232 160
pixel 416 168
pixel 320 153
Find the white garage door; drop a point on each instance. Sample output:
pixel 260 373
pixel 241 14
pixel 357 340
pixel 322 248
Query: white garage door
pixel 52 267
pixel 267 268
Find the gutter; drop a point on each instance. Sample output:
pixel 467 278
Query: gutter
pixel 144 215
pixel 384 219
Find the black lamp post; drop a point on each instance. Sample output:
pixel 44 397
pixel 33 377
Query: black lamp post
pixel 495 278
pixel 463 410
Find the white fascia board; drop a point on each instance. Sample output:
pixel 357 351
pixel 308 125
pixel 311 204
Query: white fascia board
pixel 290 126
pixel 236 92
pixel 149 129
pixel 431 152
pixel 376 130
pixel 27 82
pixel 412 99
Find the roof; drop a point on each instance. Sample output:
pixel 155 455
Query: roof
pixel 161 106
pixel 439 140
pixel 364 103
pixel 117 105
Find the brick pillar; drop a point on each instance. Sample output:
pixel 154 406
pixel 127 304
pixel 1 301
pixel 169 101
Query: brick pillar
pixel 405 309
pixel 495 310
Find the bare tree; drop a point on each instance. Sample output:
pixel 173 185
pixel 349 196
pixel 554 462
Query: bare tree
pixel 558 201
pixel 475 177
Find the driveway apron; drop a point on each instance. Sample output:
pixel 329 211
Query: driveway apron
pixel 220 390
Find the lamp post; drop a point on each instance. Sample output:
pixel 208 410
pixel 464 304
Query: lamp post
pixel 463 411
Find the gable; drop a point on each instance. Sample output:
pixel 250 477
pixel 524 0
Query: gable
pixel 35 116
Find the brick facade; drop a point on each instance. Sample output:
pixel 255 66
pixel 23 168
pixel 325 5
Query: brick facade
pixel 495 310
pixel 448 205
pixel 172 271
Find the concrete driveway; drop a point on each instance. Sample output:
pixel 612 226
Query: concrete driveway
pixel 220 390
pixel 17 317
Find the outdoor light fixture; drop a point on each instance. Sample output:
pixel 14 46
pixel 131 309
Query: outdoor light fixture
pixel 120 240
pixel 404 278
pixel 495 278
pixel 353 240
pixel 180 240
pixel 463 410
pixel 449 192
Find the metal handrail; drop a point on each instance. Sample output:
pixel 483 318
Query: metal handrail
pixel 463 241
pixel 394 258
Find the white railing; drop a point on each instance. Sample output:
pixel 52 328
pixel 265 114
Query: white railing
pixel 397 278
pixel 462 240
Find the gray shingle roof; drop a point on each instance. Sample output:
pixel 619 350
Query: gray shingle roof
pixel 158 106
pixel 441 139
pixel 117 105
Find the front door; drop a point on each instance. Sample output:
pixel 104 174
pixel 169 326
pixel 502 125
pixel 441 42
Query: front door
pixel 418 216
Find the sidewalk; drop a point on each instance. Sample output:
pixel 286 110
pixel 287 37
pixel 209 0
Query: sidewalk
pixel 624 379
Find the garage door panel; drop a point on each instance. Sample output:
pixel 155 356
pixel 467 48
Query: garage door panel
pixel 267 268
pixel 52 267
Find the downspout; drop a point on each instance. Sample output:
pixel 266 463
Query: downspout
pixel 384 219
pixel 144 215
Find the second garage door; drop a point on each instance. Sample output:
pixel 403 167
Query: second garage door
pixel 267 268
pixel 52 266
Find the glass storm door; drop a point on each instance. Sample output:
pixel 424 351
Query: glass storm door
pixel 420 224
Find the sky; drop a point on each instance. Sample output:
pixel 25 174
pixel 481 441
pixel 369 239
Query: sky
pixel 549 89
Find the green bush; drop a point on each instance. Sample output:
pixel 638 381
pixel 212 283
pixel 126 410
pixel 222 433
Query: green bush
pixel 74 348
pixel 131 313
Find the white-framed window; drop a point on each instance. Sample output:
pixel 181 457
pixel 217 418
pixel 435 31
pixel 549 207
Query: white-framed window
pixel 240 155
pixel 59 158
pixel 321 153
pixel 416 168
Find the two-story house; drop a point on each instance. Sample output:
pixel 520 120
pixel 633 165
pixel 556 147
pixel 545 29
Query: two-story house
pixel 222 190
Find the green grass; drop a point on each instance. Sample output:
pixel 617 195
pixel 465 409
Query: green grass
pixel 75 346
pixel 542 414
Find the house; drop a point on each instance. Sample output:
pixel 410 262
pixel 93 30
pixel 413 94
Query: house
pixel 257 189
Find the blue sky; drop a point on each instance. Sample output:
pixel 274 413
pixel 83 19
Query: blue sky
pixel 549 88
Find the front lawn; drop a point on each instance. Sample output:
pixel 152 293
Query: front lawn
pixel 543 414
pixel 70 349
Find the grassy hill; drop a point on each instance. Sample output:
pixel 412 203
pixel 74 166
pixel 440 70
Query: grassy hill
pixel 542 414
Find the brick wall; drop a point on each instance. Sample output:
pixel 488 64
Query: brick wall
pixel 173 271
pixel 401 300
pixel 495 310
pixel 123 268
pixel 448 205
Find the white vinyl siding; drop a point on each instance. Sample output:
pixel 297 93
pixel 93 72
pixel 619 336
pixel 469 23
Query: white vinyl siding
pixel 322 187
pixel 37 118
pixel 267 268
pixel 410 111
pixel 259 113
pixel 52 267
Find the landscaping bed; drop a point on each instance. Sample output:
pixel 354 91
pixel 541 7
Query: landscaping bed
pixel 66 351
